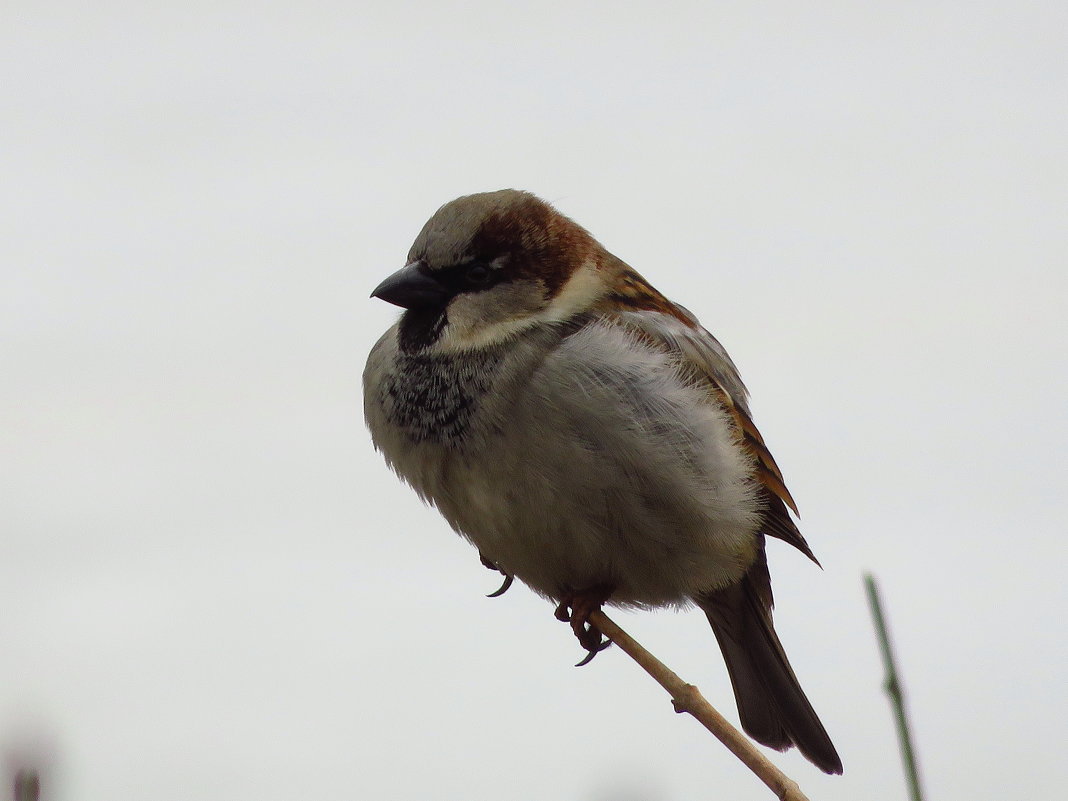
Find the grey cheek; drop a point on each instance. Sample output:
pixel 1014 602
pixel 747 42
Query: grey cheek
pixel 509 300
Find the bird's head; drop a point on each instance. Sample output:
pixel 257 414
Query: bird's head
pixel 487 267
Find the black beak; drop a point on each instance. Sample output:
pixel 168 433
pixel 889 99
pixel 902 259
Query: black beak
pixel 412 287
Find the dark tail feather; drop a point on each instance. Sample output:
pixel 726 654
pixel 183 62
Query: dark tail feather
pixel 771 704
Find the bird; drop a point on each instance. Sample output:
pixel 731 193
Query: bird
pixel 589 437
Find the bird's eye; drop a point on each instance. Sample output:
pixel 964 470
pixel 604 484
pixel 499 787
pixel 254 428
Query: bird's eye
pixel 477 275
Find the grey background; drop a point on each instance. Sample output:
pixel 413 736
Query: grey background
pixel 211 586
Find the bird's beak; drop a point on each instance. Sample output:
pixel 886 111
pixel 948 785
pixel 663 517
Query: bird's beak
pixel 412 287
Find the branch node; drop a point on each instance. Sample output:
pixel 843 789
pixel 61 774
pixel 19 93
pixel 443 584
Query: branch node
pixel 687 699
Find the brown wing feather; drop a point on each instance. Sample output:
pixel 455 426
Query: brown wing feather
pixel 677 331
pixel 777 521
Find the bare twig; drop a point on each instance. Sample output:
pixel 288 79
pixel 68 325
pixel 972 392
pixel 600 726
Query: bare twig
pixel 27 785
pixel 894 690
pixel 687 698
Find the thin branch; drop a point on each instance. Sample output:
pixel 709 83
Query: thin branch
pixel 687 698
pixel 894 690
pixel 27 785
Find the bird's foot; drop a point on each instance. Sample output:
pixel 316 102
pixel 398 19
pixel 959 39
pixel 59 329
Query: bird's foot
pixel 508 577
pixel 576 608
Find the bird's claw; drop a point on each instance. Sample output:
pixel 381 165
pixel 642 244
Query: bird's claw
pixel 576 609
pixel 508 577
pixel 590 654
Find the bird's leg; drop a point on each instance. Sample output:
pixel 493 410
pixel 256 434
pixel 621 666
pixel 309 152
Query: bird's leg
pixel 576 608
pixel 508 577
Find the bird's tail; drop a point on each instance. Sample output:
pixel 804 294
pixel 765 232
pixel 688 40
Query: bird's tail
pixel 771 704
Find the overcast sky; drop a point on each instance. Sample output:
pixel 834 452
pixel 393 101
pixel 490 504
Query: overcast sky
pixel 212 588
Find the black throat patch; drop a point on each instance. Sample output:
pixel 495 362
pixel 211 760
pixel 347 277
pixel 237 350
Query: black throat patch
pixel 420 328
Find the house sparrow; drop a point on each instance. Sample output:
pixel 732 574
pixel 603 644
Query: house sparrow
pixel 588 436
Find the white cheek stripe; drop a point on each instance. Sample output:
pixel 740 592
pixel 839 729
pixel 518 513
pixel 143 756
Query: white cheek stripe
pixel 579 293
pixel 481 337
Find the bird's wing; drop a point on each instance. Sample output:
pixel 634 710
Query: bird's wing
pixel 639 307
